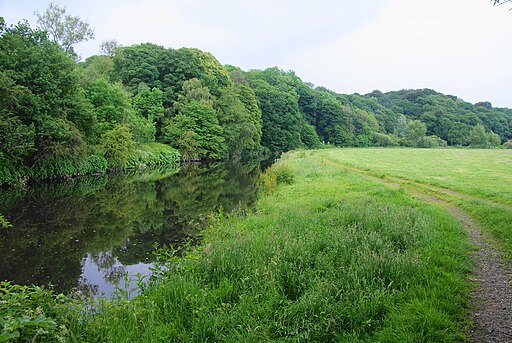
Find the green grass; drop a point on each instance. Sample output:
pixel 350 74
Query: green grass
pixel 149 154
pixel 152 154
pixel 484 178
pixel 328 256
pixel 481 172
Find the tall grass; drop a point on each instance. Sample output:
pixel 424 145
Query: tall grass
pixel 152 154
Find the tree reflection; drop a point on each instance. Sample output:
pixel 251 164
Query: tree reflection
pixel 115 221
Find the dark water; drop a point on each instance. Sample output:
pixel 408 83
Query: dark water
pixel 88 233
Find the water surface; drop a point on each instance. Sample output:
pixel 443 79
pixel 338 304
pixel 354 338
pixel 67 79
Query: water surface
pixel 86 234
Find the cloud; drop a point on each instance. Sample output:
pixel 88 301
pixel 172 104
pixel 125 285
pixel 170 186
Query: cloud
pixel 455 46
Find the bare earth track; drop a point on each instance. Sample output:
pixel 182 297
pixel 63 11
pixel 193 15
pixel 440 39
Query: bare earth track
pixel 491 296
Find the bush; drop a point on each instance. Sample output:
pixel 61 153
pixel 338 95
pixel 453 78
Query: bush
pixel 152 154
pixel 275 175
pixel 117 145
pixel 29 314
pixel 380 139
pixel 47 169
pixel 508 144
pixel 432 142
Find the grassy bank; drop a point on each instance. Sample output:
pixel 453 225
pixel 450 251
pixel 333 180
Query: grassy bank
pixel 480 178
pixel 144 155
pixel 328 256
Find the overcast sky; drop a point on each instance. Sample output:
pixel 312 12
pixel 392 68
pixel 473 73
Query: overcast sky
pixel 458 47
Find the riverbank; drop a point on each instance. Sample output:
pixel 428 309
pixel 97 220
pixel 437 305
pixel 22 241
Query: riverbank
pixel 328 255
pixel 149 154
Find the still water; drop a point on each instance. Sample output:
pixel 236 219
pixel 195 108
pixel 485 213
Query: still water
pixel 87 234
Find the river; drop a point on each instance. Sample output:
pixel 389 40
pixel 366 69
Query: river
pixel 86 235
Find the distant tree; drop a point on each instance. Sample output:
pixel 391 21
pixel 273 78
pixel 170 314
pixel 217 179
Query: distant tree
pixel 416 133
pixel 280 117
pixel 309 137
pixel 493 140
pixel 64 29
pixel 109 47
pixel 196 123
pixel 188 144
pixel 239 130
pixel 380 139
pixel 477 137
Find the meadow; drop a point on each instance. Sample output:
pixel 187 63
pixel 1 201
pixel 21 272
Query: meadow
pixel 478 180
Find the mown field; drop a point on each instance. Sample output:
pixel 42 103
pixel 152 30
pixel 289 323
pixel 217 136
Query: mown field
pixel 485 173
pixel 329 255
pixel 480 181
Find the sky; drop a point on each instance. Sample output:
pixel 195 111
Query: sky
pixel 457 47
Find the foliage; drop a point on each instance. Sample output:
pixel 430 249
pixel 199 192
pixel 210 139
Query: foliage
pixel 152 154
pixel 109 47
pixel 67 167
pixel 276 175
pixel 64 29
pixel 383 140
pixel 4 223
pixel 415 133
pixel 478 138
pixel 29 314
pixel 199 118
pixel 309 137
pixel 117 145
pixel 508 144
pixel 280 117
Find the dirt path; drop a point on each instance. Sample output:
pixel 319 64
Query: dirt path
pixel 491 295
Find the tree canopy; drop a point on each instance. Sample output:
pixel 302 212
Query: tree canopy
pixel 64 29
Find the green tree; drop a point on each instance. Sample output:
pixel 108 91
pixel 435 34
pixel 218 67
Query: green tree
pixel 48 96
pixel 64 29
pixel 109 47
pixel 280 116
pixel 117 145
pixel 309 137
pixel 239 128
pixel 477 137
pixel 334 123
pixel 196 121
pixel 16 132
pixel 416 132
pixel 493 139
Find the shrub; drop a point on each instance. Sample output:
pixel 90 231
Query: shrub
pixel 380 139
pixel 275 175
pixel 28 314
pixel 432 142
pixel 117 145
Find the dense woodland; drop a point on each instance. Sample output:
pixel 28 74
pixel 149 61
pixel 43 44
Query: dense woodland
pixel 139 105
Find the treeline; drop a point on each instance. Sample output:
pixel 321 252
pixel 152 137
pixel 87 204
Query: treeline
pixel 139 105
pixel 63 119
